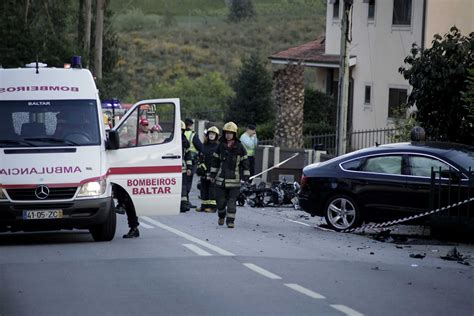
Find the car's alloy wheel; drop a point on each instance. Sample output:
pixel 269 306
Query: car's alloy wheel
pixel 342 213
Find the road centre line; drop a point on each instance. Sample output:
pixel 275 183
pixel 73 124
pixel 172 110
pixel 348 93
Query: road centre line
pixel 197 250
pixel 305 291
pixel 145 225
pixel 188 237
pixel 346 310
pixel 262 271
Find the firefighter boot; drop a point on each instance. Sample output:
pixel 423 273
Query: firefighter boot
pixel 221 221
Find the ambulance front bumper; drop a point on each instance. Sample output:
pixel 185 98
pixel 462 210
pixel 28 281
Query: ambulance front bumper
pixel 79 214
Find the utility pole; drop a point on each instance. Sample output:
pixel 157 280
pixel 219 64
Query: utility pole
pixel 343 92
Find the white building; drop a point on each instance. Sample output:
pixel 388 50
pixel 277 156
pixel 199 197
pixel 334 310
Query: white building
pixel 382 35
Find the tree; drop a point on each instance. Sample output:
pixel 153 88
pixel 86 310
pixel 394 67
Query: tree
pixel 99 37
pixel 241 10
pixel 289 91
pixel 253 103
pixel 31 30
pixel 204 97
pixel 439 76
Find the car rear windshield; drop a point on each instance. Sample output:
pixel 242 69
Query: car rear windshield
pixel 463 157
pixel 49 123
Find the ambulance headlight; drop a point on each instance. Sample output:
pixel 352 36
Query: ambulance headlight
pixel 94 188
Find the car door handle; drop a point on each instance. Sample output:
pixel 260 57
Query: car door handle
pixel 171 157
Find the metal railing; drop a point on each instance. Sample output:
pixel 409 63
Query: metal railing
pixel 356 139
pixel 451 186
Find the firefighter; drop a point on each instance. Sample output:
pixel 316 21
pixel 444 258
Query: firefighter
pixel 195 146
pixel 229 161
pixel 203 170
pixel 186 170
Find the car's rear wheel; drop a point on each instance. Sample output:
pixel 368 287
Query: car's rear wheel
pixel 106 230
pixel 342 212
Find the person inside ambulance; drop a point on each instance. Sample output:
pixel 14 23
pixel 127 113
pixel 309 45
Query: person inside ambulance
pixel 72 126
pixel 144 137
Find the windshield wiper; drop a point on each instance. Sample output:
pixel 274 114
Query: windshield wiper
pixel 15 142
pixel 52 140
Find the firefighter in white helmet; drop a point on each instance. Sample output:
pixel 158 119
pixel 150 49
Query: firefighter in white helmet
pixel 229 161
pixel 209 147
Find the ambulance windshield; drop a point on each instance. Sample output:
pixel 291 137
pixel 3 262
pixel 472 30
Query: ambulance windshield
pixel 49 123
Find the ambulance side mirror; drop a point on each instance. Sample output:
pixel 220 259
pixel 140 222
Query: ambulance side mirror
pixel 113 141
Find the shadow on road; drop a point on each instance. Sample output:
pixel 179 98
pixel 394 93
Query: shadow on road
pixel 43 238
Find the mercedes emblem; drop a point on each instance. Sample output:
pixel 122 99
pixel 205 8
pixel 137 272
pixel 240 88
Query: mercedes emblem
pixel 42 192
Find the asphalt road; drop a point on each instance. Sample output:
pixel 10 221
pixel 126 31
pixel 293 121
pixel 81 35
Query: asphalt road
pixel 275 262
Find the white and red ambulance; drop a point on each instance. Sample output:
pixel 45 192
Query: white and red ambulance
pixel 58 168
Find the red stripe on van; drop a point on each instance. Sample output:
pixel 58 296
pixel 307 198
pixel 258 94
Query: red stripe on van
pixel 111 171
pixel 144 170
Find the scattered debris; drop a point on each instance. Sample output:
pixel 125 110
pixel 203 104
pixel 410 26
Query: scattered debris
pixel 453 255
pixel 414 265
pixel 399 247
pixel 383 236
pixel 434 250
pixel 372 253
pixel 409 283
pixel 418 255
pixel 375 268
pixel 281 235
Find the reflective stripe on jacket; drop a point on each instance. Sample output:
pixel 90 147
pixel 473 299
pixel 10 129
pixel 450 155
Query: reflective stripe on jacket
pixel 189 136
pixel 227 164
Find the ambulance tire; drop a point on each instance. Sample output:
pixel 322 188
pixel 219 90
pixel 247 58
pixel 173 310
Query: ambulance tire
pixel 106 230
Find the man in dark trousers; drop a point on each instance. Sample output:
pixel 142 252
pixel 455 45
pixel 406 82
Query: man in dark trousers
pixel 230 160
pixel 186 170
pixel 195 147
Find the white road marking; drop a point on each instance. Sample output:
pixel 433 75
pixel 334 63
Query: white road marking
pixel 290 220
pixel 262 271
pixel 305 291
pixel 197 250
pixel 188 237
pixel 346 310
pixel 145 225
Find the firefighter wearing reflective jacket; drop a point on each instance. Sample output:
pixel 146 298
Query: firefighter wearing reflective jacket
pixel 186 168
pixel 195 146
pixel 208 194
pixel 229 161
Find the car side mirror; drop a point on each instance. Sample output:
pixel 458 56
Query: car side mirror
pixel 114 140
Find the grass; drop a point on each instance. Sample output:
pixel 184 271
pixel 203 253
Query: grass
pixel 162 40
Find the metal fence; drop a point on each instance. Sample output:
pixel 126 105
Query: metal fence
pixel 355 140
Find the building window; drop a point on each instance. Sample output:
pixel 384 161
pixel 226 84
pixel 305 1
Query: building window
pixel 397 99
pixel 367 94
pixel 335 9
pixel 371 12
pixel 401 12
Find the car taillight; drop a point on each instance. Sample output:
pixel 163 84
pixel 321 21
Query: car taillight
pixel 304 182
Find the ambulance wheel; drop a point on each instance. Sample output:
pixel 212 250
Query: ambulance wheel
pixel 106 230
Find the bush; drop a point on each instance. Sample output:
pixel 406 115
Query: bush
pixel 320 112
pixel 241 10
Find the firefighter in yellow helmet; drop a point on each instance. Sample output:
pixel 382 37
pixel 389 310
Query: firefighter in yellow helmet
pixel 186 167
pixel 209 147
pixel 229 161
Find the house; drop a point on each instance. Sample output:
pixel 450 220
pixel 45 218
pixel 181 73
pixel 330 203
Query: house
pixel 382 35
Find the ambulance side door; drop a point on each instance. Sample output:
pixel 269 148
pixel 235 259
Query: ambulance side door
pixel 148 162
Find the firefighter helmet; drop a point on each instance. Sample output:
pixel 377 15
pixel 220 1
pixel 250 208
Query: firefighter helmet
pixel 213 129
pixel 230 127
pixel 144 122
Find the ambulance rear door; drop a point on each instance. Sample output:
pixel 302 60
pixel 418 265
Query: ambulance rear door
pixel 148 162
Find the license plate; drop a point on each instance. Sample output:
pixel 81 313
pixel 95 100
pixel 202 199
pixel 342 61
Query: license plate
pixel 43 214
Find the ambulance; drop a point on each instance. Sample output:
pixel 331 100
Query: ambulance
pixel 59 169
